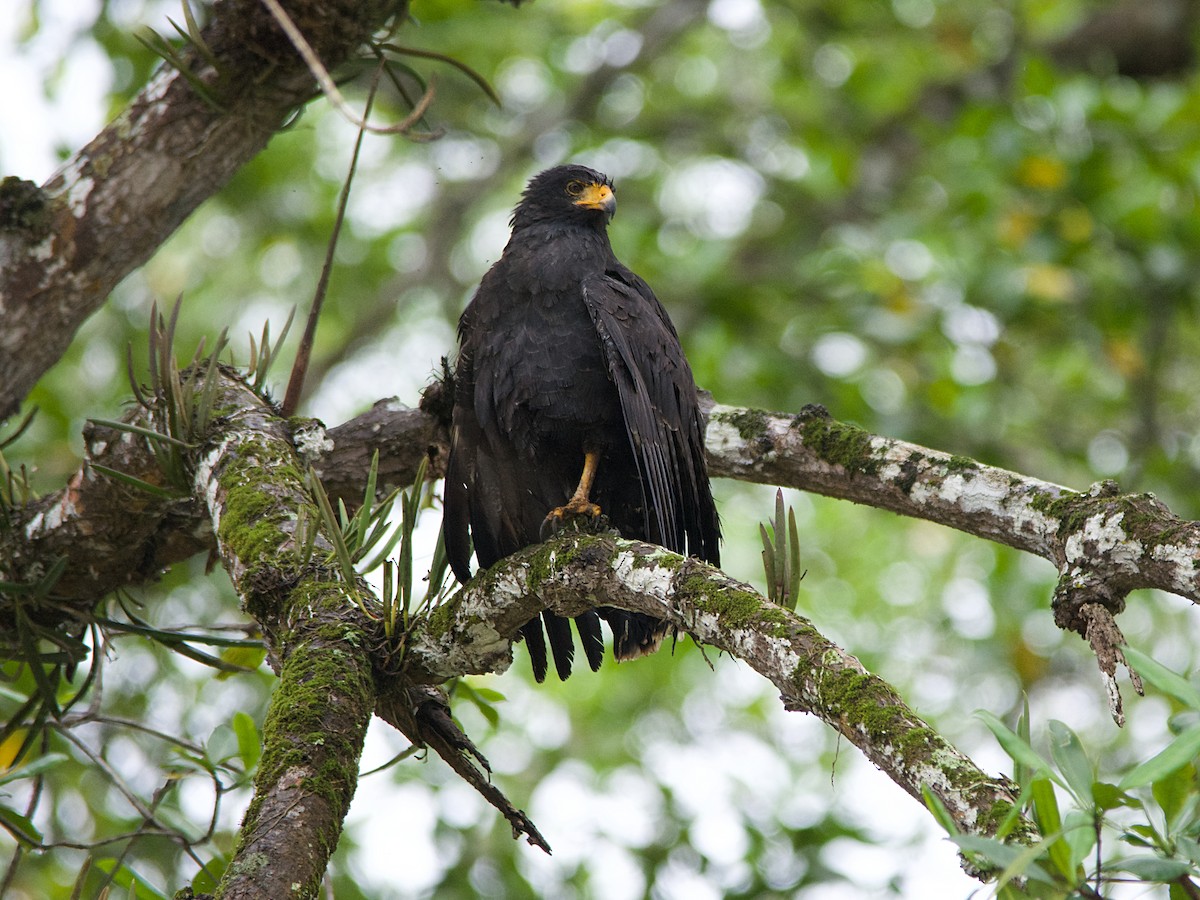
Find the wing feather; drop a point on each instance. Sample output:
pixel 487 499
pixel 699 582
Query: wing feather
pixel 659 404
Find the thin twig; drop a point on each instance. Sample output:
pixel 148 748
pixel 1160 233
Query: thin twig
pixel 84 718
pixel 117 781
pixel 330 90
pixel 291 399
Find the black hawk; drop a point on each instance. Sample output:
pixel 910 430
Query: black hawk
pixel 572 396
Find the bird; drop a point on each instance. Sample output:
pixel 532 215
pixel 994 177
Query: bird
pixel 572 399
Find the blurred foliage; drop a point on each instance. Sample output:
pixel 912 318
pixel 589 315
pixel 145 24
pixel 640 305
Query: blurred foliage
pixel 912 212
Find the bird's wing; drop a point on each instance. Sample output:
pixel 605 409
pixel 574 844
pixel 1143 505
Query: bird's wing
pixel 659 404
pixel 462 464
pixel 479 500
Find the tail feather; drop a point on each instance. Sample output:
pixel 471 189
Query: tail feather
pixel 634 634
pixel 535 643
pixel 562 645
pixel 588 626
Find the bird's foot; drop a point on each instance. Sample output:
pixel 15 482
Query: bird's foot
pixel 577 508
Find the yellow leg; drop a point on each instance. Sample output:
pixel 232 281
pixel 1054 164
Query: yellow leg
pixel 579 504
pixel 579 500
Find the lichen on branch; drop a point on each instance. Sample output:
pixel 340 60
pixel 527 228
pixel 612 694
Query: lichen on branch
pixel 471 633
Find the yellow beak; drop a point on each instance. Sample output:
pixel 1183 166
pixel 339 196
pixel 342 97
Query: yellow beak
pixel 598 196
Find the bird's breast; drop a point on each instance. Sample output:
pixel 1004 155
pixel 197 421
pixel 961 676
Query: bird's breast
pixel 540 371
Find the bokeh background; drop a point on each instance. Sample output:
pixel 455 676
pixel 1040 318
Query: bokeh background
pixel 971 225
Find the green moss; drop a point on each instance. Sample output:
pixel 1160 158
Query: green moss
pixel 1071 509
pixel 865 702
pixel 844 445
pixel 1142 517
pixel 1042 501
pixel 319 713
pixel 961 464
pixel 250 864
pixel 547 561
pixel 751 424
pixel 660 558
pixel 437 621
pixel 257 486
pixel 300 423
pixel 997 814
pixel 736 609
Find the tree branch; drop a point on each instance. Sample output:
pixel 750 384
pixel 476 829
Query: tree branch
pixel 331 658
pixel 253 491
pixel 1125 541
pixel 1122 541
pixel 64 246
pixel 473 631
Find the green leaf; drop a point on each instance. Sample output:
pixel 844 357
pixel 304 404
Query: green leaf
pixel 1072 762
pixel 144 432
pixel 222 744
pixel 1015 858
pixel 1109 796
pixel 1189 847
pixel 489 712
pixel 172 637
pixel 333 530
pixel 797 573
pixel 488 694
pixel 1151 868
pixel 133 481
pixel 1019 750
pixel 368 504
pixel 1180 752
pixel 243 658
pixel 248 741
pixel 1164 679
pixel 19 826
pixel 206 879
pixel 1045 805
pixel 477 698
pixel 207 659
pixel 1079 832
pixel 1176 796
pixel 1049 822
pixel 38 766
pixel 1142 836
pixel 935 805
pixel 125 877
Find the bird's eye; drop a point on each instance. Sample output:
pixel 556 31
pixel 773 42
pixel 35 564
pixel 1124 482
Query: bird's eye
pixel 574 188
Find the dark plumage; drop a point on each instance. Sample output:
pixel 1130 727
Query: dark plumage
pixel 566 356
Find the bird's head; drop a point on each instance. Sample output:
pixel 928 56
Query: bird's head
pixel 567 194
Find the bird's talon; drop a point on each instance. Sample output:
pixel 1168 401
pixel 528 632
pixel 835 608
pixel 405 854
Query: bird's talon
pixel 561 515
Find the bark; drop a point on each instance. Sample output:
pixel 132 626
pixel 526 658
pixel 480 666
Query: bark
pixel 253 489
pixel 473 633
pixel 1103 542
pixel 64 246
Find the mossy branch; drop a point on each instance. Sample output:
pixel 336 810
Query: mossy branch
pixel 253 488
pixel 472 633
pixel 1104 543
